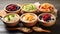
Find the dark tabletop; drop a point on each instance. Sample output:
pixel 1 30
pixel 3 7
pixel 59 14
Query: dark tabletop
pixel 55 29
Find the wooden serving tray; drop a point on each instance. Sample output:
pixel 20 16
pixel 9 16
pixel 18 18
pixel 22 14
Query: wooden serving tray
pixel 55 29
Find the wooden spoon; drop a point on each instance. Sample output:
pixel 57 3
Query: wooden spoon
pixel 23 29
pixel 38 29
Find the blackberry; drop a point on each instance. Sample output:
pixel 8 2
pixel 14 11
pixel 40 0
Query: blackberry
pixel 40 17
pixel 17 7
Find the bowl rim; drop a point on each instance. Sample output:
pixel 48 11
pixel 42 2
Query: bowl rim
pixel 9 14
pixel 45 21
pixel 27 11
pixel 12 11
pixel 28 21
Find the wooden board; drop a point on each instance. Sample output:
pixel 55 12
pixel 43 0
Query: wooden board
pixel 55 29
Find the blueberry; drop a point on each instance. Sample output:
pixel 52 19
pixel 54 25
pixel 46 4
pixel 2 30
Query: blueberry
pixel 40 17
pixel 47 20
pixel 52 18
pixel 17 7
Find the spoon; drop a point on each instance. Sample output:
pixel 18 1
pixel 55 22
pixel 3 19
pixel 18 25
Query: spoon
pixel 2 14
pixel 23 29
pixel 38 29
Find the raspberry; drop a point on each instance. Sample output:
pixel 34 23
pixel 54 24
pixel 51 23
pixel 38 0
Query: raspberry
pixel 14 9
pixel 46 17
pixel 11 7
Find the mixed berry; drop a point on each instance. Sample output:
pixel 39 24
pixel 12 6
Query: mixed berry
pixel 46 17
pixel 12 7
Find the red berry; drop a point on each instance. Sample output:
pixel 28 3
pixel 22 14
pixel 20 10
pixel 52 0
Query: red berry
pixel 13 5
pixel 46 17
pixel 14 9
pixel 9 9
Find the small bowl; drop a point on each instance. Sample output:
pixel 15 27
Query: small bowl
pixel 29 23
pixel 14 23
pixel 17 11
pixel 53 9
pixel 45 23
pixel 46 10
pixel 24 11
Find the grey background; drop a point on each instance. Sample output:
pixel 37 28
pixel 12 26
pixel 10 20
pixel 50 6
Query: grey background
pixel 55 29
